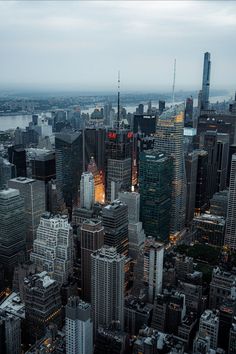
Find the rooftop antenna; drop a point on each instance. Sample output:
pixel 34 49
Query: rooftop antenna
pixel 173 88
pixel 118 102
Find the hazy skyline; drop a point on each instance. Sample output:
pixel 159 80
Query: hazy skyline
pixel 81 45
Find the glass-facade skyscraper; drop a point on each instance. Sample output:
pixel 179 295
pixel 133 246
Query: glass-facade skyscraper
pixel 69 164
pixel 155 184
pixel 206 81
pixel 169 140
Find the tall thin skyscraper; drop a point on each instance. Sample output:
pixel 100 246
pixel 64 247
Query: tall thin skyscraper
pixel 12 230
pixel 107 287
pixel 79 327
pixel 87 190
pixel 230 234
pixel 206 81
pixel 91 239
pixel 33 193
pixel 153 267
pixel 169 139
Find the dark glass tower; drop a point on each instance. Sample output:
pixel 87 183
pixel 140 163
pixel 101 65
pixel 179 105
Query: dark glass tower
pixel 115 222
pixel 155 183
pixel 69 164
pixel 206 81
pixel 17 156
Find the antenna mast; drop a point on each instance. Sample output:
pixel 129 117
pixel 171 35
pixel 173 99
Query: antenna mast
pixel 118 102
pixel 173 88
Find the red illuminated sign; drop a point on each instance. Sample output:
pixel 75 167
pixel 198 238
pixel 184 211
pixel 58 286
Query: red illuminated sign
pixel 112 135
pixel 130 135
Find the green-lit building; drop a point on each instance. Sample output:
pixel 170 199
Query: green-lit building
pixel 155 178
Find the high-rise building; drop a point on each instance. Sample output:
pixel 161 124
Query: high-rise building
pixel 191 164
pixel 135 227
pixel 219 203
pixel 153 267
pixel 12 230
pixel 232 338
pixel 107 287
pixel 94 146
pixel 91 239
pixel 161 106
pixel 201 187
pixel 17 156
pixel 98 176
pixel 10 333
pixel 115 222
pixel 33 193
pixel 118 164
pixel 43 164
pixel 208 142
pixel 188 116
pixel 155 185
pixel 222 286
pixel 207 228
pixel 53 247
pixel 168 312
pixel 169 140
pixel 230 234
pixel 132 200
pixel 209 326
pixel 7 171
pixel 69 164
pixel 206 81
pixel 42 304
pixel 87 190
pixel 222 160
pixel 79 327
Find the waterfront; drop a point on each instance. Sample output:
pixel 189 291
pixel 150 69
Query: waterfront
pixel 22 121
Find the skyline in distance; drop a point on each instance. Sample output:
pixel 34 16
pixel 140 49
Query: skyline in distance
pixel 81 46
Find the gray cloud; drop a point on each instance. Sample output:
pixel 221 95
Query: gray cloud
pixel 81 45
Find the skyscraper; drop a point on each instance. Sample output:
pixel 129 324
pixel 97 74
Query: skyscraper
pixel 7 171
pixel 17 156
pixel 201 188
pixel 169 139
pixel 209 326
pixel 10 333
pixel 191 163
pixel 87 190
pixel 230 234
pixel 79 327
pixel 115 222
pixel 91 239
pixel 42 304
pixel 69 164
pixel 53 247
pixel 135 227
pixel 188 116
pixel 33 193
pixel 155 184
pixel 206 81
pixel 208 142
pixel 99 189
pixel 12 230
pixel 107 287
pixel 118 164
pixel 153 267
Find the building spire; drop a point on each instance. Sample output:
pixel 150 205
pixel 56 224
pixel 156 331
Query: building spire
pixel 118 102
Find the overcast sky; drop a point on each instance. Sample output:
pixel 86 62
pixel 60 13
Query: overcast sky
pixel 81 45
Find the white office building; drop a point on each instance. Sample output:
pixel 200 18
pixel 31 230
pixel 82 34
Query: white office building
pixel 79 327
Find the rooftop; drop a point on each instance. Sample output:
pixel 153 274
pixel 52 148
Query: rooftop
pixel 13 304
